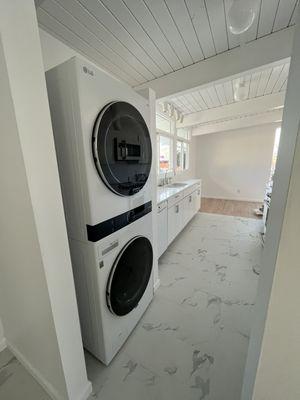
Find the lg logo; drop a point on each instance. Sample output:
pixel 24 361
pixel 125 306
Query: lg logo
pixel 88 71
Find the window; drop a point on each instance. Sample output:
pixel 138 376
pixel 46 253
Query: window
pixel 165 153
pixel 181 156
pixel 163 124
pixel 172 145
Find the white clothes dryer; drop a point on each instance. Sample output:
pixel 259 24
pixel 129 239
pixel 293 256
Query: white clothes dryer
pixel 103 145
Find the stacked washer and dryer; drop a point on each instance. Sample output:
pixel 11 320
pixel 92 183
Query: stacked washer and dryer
pixel 104 155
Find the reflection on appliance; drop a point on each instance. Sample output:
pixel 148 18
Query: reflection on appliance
pixel 122 148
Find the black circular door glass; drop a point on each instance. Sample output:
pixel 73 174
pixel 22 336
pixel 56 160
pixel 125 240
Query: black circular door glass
pixel 122 148
pixel 130 276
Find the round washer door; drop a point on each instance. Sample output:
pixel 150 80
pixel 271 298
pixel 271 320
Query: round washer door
pixel 129 276
pixel 122 148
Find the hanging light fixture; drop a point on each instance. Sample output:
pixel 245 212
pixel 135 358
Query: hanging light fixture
pixel 241 15
pixel 240 92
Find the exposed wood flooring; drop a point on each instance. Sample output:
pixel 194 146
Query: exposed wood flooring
pixel 229 207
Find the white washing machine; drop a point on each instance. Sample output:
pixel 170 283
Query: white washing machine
pixel 114 286
pixel 103 145
pixel 104 153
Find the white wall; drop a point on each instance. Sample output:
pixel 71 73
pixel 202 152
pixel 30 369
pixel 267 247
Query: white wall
pixel 235 164
pixel 37 305
pixel 274 341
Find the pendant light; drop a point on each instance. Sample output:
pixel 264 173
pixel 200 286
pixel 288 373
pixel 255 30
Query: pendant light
pixel 241 15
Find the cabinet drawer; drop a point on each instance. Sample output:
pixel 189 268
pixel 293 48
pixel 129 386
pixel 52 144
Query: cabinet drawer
pixel 190 190
pixel 175 199
pixel 161 206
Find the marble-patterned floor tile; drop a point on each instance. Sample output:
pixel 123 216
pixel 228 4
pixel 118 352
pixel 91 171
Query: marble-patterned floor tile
pixel 192 342
pixel 15 382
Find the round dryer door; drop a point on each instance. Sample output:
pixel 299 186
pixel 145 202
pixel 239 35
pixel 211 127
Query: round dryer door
pixel 122 148
pixel 129 276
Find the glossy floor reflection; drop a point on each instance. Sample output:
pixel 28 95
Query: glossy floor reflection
pixel 192 342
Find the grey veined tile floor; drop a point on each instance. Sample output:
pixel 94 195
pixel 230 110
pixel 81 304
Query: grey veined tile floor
pixel 192 342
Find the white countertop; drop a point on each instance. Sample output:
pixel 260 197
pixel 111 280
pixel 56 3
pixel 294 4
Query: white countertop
pixel 165 192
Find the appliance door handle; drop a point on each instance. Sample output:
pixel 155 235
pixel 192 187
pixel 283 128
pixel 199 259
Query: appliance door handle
pixel 177 209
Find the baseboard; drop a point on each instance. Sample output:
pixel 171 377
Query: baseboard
pixel 233 199
pixel 2 344
pixel 156 285
pixel 47 386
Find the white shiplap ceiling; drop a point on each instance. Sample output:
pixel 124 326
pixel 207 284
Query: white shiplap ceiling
pixel 140 40
pixel 257 84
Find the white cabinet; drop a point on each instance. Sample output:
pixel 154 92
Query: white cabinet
pixel 175 212
pixel 197 204
pixel 162 222
pixel 188 208
pixel 175 220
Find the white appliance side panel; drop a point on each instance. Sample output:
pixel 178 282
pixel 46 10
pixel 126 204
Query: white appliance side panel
pixel 85 266
pixel 95 91
pixel 63 101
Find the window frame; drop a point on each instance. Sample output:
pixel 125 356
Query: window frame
pixel 174 138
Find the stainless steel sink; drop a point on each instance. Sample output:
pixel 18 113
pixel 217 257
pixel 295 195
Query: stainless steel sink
pixel 177 185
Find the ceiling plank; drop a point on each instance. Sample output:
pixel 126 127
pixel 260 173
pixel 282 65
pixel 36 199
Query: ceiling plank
pixel 254 82
pixel 106 18
pixel 216 15
pixel 221 94
pixel 123 15
pixel 180 14
pixel 282 78
pixel 254 55
pixel 142 13
pixel 228 91
pixel 263 81
pixel 295 13
pixel 52 26
pixel 284 14
pixel 90 22
pixel 268 13
pixel 276 71
pixel 163 17
pixel 199 17
pixel 69 21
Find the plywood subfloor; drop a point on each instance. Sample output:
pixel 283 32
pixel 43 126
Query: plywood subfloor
pixel 229 207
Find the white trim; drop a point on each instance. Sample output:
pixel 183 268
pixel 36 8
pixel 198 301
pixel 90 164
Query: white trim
pixel 2 344
pixel 233 199
pixel 47 386
pixel 156 285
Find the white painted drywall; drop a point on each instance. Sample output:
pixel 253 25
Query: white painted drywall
pixel 37 305
pixel 235 164
pixel 274 341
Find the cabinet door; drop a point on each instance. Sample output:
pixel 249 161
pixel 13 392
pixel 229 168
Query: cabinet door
pixel 186 210
pixel 175 221
pixel 162 223
pixel 197 200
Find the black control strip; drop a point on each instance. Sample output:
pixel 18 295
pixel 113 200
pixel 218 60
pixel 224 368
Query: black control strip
pixel 105 228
